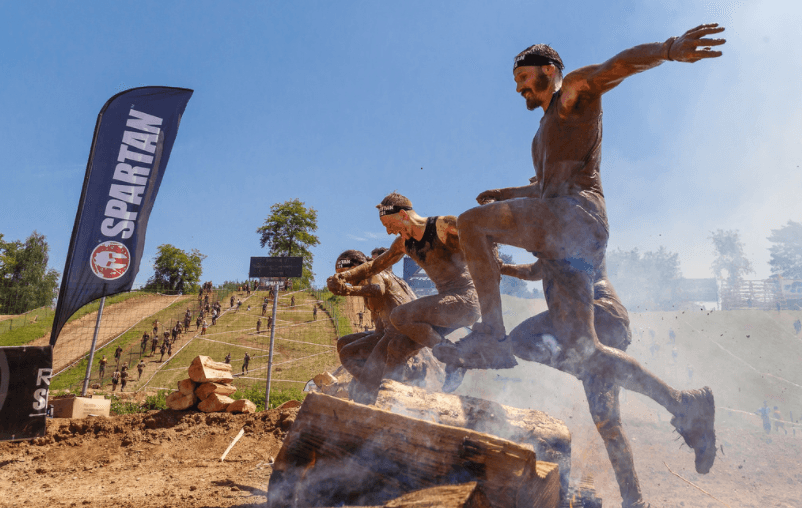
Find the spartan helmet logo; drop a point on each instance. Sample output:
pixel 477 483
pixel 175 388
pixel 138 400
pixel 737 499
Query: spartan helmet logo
pixel 110 260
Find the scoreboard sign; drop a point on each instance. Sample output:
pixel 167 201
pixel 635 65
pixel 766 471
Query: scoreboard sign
pixel 276 267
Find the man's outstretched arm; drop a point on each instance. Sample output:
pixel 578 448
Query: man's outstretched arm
pixel 376 266
pixel 597 79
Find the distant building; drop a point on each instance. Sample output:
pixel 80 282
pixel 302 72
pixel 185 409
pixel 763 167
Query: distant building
pixel 417 279
pixel 774 293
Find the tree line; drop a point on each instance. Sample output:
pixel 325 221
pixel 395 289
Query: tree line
pixel 650 280
pixel 642 279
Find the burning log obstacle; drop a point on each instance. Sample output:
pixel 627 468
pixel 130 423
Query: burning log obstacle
pixel 208 387
pixel 465 495
pixel 548 436
pixel 340 452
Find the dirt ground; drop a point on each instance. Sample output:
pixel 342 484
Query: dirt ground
pixel 146 460
pixel 172 459
pixel 76 337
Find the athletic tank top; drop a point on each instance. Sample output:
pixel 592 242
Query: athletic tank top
pixel 443 263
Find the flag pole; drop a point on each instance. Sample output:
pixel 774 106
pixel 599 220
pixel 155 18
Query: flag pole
pixel 94 343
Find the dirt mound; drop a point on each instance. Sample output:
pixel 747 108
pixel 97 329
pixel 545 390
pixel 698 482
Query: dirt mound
pixel 154 459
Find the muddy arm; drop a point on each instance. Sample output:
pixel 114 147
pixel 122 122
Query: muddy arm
pixel 597 79
pixel 376 266
pixel 374 288
pixel 532 271
pixel 525 191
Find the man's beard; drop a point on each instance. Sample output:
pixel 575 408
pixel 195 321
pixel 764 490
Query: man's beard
pixel 541 85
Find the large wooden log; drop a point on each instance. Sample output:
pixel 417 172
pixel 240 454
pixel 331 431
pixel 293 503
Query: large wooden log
pixel 339 452
pixel 206 389
pixel 214 403
pixel 241 406
pixel 465 495
pixel 187 386
pixel 180 401
pixel 549 437
pixel 203 370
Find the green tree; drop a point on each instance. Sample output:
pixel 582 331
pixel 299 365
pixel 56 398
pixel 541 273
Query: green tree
pixel 730 256
pixel 786 253
pixel 288 231
pixel 646 281
pixel 25 281
pixel 176 270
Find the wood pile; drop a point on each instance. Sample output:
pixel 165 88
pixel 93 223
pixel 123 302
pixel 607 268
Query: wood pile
pixel 340 453
pixel 208 389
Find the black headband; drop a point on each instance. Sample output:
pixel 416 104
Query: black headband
pixel 535 61
pixel 346 263
pixel 391 209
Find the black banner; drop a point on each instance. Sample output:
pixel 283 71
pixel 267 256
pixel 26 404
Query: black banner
pixel 276 267
pixel 24 384
pixel 134 135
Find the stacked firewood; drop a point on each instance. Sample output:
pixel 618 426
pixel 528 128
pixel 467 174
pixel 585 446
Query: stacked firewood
pixel 208 388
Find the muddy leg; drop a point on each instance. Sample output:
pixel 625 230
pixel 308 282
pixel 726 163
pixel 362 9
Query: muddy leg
pixel 417 318
pixel 569 294
pixel 605 410
pixel 354 351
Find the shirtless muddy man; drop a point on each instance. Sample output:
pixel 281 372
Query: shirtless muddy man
pixel 561 218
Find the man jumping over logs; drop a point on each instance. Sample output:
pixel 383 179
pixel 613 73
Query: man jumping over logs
pixel 536 340
pixel 374 355
pixel 561 218
pixel 433 243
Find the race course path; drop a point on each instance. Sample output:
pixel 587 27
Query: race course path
pixel 75 338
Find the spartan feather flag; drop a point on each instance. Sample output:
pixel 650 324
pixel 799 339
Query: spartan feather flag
pixel 134 134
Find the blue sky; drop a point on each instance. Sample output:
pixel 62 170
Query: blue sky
pixel 340 103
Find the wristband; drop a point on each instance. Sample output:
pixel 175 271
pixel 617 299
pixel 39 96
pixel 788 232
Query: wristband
pixel 668 53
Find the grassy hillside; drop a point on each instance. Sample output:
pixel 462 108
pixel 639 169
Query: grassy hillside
pixel 304 346
pixel 28 327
